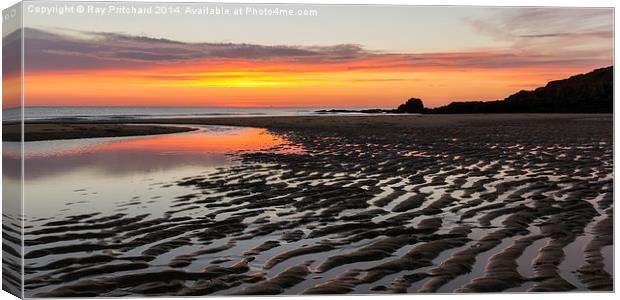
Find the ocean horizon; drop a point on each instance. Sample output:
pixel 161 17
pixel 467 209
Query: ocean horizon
pixel 68 113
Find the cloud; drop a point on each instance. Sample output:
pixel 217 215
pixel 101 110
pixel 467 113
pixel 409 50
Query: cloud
pixel 560 43
pixel 595 34
pixel 48 50
pixel 11 58
pixel 548 29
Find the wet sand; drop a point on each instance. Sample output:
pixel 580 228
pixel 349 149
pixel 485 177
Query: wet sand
pixel 374 204
pixel 63 131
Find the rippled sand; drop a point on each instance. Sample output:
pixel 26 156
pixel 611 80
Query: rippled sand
pixel 473 205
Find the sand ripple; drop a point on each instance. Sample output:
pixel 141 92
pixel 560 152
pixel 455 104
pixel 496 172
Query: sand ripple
pixel 443 209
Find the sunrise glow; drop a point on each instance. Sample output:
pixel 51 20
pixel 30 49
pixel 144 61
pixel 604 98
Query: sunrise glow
pixel 483 54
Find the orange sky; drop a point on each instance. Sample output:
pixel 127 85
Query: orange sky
pixel 438 54
pixel 248 84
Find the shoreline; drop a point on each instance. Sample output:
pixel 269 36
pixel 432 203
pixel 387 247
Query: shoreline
pixel 64 131
pixel 45 130
pixel 436 204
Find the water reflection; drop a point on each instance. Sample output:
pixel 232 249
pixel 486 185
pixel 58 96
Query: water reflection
pixel 209 146
pixel 66 177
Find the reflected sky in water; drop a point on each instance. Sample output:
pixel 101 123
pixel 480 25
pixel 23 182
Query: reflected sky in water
pixel 72 176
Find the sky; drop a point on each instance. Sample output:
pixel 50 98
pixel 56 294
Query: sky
pixel 344 56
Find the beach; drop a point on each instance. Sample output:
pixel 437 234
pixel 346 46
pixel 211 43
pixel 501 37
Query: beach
pixel 63 131
pixel 347 204
pixel 167 150
pixel 46 130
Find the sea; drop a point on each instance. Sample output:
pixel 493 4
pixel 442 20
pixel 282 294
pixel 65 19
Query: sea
pixel 94 113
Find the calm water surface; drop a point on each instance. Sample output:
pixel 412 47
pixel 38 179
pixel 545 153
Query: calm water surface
pixel 68 177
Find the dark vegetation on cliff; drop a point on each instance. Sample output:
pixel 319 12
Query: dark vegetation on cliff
pixel 584 93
